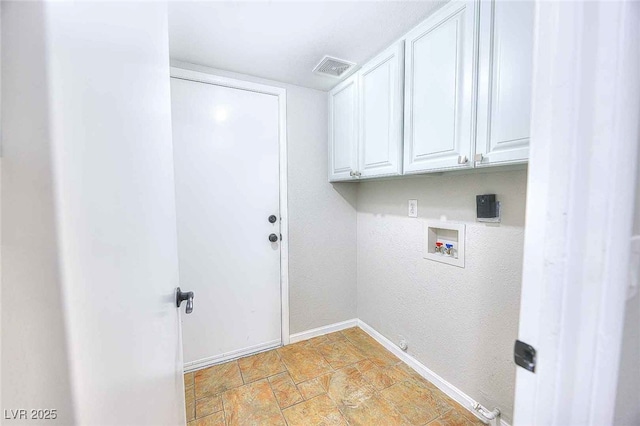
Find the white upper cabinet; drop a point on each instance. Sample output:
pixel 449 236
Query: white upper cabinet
pixel 380 88
pixel 439 92
pixel 455 93
pixel 343 131
pixel 504 82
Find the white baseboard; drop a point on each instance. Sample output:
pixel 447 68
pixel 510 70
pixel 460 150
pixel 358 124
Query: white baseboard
pixel 228 356
pixel 298 337
pixel 453 392
pixel 315 332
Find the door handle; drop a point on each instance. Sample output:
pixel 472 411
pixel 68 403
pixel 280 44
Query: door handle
pixel 182 296
pixel 273 238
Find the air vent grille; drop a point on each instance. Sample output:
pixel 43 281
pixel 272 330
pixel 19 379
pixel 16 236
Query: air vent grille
pixel 333 67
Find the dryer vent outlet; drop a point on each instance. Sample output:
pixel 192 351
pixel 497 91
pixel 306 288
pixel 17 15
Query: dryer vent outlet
pixel 333 67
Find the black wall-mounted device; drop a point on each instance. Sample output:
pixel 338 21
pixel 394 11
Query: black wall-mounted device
pixel 486 206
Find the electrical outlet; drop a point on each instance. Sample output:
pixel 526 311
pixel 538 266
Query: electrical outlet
pixel 413 208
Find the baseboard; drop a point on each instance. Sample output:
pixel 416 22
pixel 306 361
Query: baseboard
pixel 228 356
pixel 298 337
pixel 315 332
pixel 453 392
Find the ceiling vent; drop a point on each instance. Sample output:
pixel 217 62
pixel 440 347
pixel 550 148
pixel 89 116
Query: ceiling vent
pixel 333 67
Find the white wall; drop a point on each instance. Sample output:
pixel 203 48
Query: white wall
pixel 322 221
pixel 89 323
pixel 35 371
pixel 322 216
pixel 460 323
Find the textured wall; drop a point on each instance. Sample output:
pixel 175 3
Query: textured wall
pixel 322 216
pixel 460 323
pixel 322 221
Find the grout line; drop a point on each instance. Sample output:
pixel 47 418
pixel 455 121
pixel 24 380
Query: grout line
pixel 298 389
pixel 224 412
pixel 244 382
pixel 277 402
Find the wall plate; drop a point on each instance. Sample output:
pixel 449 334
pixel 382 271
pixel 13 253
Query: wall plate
pixel 413 208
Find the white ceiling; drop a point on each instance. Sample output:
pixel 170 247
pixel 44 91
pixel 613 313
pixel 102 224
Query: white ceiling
pixel 284 41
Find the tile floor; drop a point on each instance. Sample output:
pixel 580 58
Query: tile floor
pixel 343 378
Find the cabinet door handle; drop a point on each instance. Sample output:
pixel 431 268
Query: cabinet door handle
pixel 357 174
pixel 351 173
pixel 462 159
pixel 478 158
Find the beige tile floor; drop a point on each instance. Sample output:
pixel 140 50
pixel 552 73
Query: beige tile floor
pixel 343 378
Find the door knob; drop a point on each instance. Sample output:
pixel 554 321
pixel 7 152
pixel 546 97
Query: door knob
pixel 273 238
pixel 273 218
pixel 182 296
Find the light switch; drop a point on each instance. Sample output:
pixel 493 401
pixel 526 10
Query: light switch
pixel 413 208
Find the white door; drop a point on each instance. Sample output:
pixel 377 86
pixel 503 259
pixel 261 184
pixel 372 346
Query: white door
pixel 343 132
pixel 89 253
pixel 380 122
pixel 438 99
pixel 226 154
pixel 584 138
pixel 504 81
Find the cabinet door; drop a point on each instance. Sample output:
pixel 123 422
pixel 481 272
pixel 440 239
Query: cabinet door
pixel 439 92
pixel 343 136
pixel 504 81
pixel 380 87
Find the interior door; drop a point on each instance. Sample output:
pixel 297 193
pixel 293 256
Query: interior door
pixel 90 330
pixel 439 90
pixel 226 155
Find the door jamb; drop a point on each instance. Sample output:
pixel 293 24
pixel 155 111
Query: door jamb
pixel 281 93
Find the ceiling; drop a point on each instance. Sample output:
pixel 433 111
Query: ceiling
pixel 284 41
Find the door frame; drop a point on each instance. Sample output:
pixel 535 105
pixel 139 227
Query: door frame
pixel 580 202
pixel 281 93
